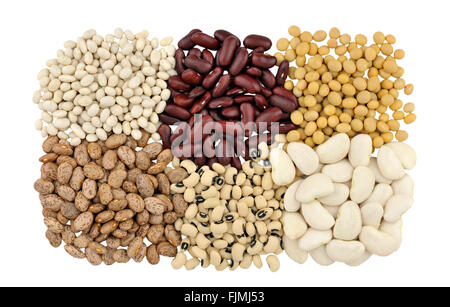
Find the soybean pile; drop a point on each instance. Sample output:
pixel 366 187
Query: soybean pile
pixel 329 182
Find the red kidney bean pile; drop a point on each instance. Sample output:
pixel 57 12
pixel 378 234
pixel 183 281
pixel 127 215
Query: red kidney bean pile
pixel 226 83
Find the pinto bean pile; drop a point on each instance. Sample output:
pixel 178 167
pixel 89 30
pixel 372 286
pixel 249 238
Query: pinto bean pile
pixel 107 198
pixel 233 86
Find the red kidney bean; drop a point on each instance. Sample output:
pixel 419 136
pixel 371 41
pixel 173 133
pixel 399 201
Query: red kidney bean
pixel 230 127
pixel 239 61
pixel 220 102
pixel 212 77
pixel 285 116
pixel 254 72
pixel 227 50
pixel 282 72
pixel 231 112
pixel 200 161
pixel 280 91
pixel 283 103
pixel 243 98
pixel 215 115
pixel 180 133
pixel 173 92
pixel 165 133
pixel 268 78
pixel 263 61
pixel 254 41
pixel 285 127
pixel 224 152
pixel 167 119
pixel 196 92
pixel 236 163
pixel 200 104
pixel 186 42
pixel 177 111
pixel 205 40
pixel 221 35
pixel 195 51
pixel 179 58
pixel 208 56
pixel 248 113
pixel 178 84
pixel 200 65
pixel 211 161
pixel 247 83
pixel 191 77
pixel 266 92
pixel 221 86
pixel 208 147
pixel 183 100
pixel 234 91
pixel 261 102
pixel 269 116
pixel 197 130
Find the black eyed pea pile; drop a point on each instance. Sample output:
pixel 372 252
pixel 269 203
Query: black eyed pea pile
pixel 343 204
pixel 97 85
pixel 232 218
pixel 104 200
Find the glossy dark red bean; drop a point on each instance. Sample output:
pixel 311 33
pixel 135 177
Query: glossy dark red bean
pixel 212 77
pixel 235 91
pixel 248 113
pixel 167 119
pixel 229 127
pixel 205 40
pixel 261 102
pixel 173 92
pixel 196 92
pixel 226 52
pixel 231 112
pixel 199 65
pixel 208 147
pixel 200 161
pixel 178 84
pixel 195 51
pixel 243 98
pixel 283 103
pixel 221 35
pixel 285 116
pixel 197 134
pixel 268 79
pixel 191 77
pixel 270 115
pixel 266 92
pixel 208 56
pixel 236 163
pixel 282 73
pixel 221 86
pixel 177 112
pixel 247 83
pixel 179 58
pixel 220 102
pixel 180 133
pixel 165 133
pixel 183 100
pixel 254 41
pixel 215 114
pixel 254 72
pixel 186 42
pixel 200 104
pixel 285 127
pixel 263 60
pixel 224 152
pixel 239 61
pixel 281 91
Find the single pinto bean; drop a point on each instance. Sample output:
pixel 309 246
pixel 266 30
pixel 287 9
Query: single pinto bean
pixel 191 77
pixel 240 59
pixel 200 65
pixel 205 40
pixel 200 104
pixel 221 86
pixel 177 112
pixel 247 83
pixel 263 61
pixel 178 84
pixel 283 103
pixel 282 72
pixel 254 41
pixel 269 116
pixel 226 52
pixel 220 102
pixel 212 77
pixel 183 100
pixel 186 42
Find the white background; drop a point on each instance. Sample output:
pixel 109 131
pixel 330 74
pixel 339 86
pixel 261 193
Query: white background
pixel 32 31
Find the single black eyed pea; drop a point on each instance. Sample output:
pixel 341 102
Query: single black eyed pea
pixel 279 193
pixel 177 188
pixel 250 229
pixel 207 178
pixel 230 175
pixel 261 227
pixel 211 203
pixel 232 205
pixel 217 213
pixel 276 215
pixel 246 261
pixel 273 262
pixel 225 192
pixel 198 252
pixel 258 191
pixel 237 252
pixel 231 216
pixel 189 166
pixel 189 230
pixel 248 168
pixel 263 238
pixel 218 168
pixel 189 195
pixel 264 214
pixel 219 228
pixel 220 244
pixel 211 192
pixel 202 217
pixel 214 257
pixel 204 228
pixel 256 180
pixel 247 190
pixel 191 263
pixel 238 226
pixel 242 208
pixel 192 180
pixel 204 263
pixel 273 243
pixel 255 247
pixel 178 224
pixel 251 217
pixel 260 202
pixel 269 195
pixel 202 241
pixel 274 226
pixel 236 192
pixel 185 244
pixel 267 183
pixel 257 262
pixel 179 260
pixel 199 188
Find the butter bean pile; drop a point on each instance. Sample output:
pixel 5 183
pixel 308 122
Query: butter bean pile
pixel 346 205
pixel 232 219
pixel 98 85
pixel 352 92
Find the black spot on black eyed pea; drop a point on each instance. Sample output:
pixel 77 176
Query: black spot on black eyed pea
pixel 229 217
pixel 218 222
pixel 234 178
pixel 193 224
pixel 202 262
pixel 219 180
pixel 200 171
pixel 252 244
pixel 275 234
pixel 240 236
pixel 250 164
pixel 228 251
pixel 254 153
pixel 230 245
pixel 231 262
pixel 203 215
pixel 261 213
pixel 199 199
pixel 282 195
pixel 204 224
pixel 184 246
pixel 179 185
pixel 266 163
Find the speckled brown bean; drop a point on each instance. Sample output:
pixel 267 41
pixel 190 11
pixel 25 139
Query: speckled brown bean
pixel 93 257
pixel 63 150
pixel 61 218
pixel 163 184
pixel 143 230
pixel 142 217
pixel 81 155
pixel 109 227
pixel 68 235
pixel 116 178
pixel 69 211
pixel 53 225
pixel 117 204
pixel 66 192
pixel 108 257
pixel 157 168
pixel 82 241
pixel 53 202
pixel 167 202
pixel 155 219
pixel 44 187
pixel 64 173
pixel 49 171
pixel 155 233
pixel 165 156
pixel 77 178
pixel 93 171
pixel 105 193
pixel 89 188
pixel 119 233
pixel 81 202
pixel 115 141
pixel 154 205
pixel 97 247
pixel 126 155
pixel 120 256
pixel 105 216
pixel 144 185
pixel 124 215
pixel 135 202
pixel 83 222
pixel 53 238
pixel 142 160
pixel 74 251
pixel 153 149
pixel 47 145
pixel 177 175
pixel 62 159
pixel 94 150
pixel 152 254
pixel 94 230
pixel 50 157
pixel 109 159
pixel 112 242
pixel 166 249
pixel 170 217
pixel 173 236
pixel 134 246
pixel 179 204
